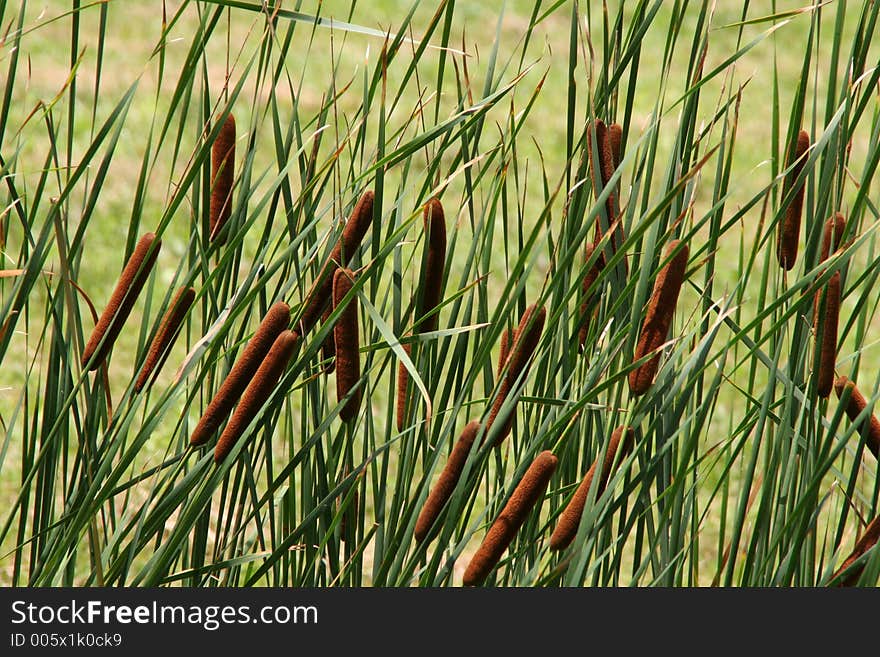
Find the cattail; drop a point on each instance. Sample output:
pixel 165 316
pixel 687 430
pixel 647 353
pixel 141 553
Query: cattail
pixel 131 281
pixel 865 543
pixel 442 490
pixel 570 519
pixel 658 319
pixel 274 322
pixel 504 352
pixel 828 349
pixel 525 341
pixel 257 392
pixel 435 259
pixel 222 169
pixel 402 389
pixel 854 407
pixel 587 309
pixel 832 235
pixel 348 361
pixel 328 347
pixel 322 289
pixel 789 230
pixel 169 327
pixel 615 139
pixel 527 493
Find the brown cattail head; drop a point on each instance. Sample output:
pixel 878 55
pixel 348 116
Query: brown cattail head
pixel 527 493
pixel 274 322
pixel 866 542
pixel 169 327
pixel 131 282
pixel 601 172
pixel 615 139
pixel 828 348
pixel 789 230
pixel 587 309
pixel 345 333
pixel 658 319
pixel 832 235
pixel 435 260
pixel 525 341
pixel 854 407
pixel 257 392
pixel 222 170
pixel 322 289
pixel 504 352
pixel 442 490
pixel 328 347
pixel 622 439
pixel 402 389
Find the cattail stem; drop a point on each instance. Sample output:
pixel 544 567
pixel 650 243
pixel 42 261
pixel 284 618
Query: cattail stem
pixel 328 347
pixel 222 170
pixel 570 520
pixel 828 330
pixel 402 389
pixel 587 307
pixel 658 319
pixel 322 289
pixel 525 341
pixel 449 477
pixel 435 260
pixel 346 335
pixel 789 230
pixel 129 286
pixel 274 322
pixel 866 542
pixel 502 532
pixel 257 392
pixel 854 407
pixel 169 327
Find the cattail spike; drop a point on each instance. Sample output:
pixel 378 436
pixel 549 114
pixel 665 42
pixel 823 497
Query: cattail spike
pixel 222 171
pixel 789 229
pixel 322 289
pixel 449 477
pixel 658 319
pixel 866 542
pixel 435 260
pixel 502 532
pixel 570 519
pixel 257 392
pixel 169 327
pixel 525 341
pixel 832 235
pixel 854 407
pixel 131 282
pixel 615 139
pixel 828 349
pixel 504 353
pixel 402 389
pixel 328 347
pixel 587 309
pixel 346 335
pixel 274 322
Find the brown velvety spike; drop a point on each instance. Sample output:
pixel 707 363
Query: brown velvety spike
pixel 442 490
pixel 346 335
pixel 828 349
pixel 615 139
pixel 402 389
pixel 832 235
pixel 523 499
pixel 435 260
pixel 658 319
pixel 865 543
pixel 854 407
pixel 259 390
pixel 164 338
pixel 789 230
pixel 525 341
pixel 222 171
pixel 274 322
pixel 328 347
pixel 587 307
pixel 131 282
pixel 570 519
pixel 322 289
pixel 504 353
